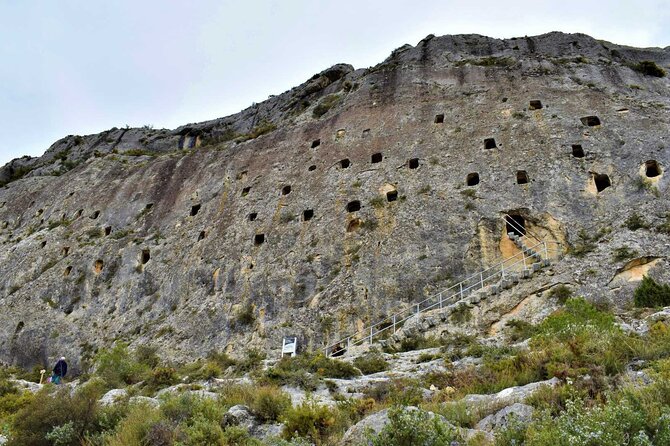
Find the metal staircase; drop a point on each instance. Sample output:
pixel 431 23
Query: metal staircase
pixel 535 254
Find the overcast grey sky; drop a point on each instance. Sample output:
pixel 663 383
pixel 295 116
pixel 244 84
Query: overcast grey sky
pixel 84 66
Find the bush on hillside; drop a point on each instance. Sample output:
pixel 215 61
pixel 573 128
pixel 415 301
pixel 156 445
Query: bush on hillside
pixel 651 294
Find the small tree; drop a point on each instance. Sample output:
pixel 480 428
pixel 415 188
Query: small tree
pixel 651 293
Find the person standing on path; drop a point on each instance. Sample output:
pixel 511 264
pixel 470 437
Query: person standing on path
pixel 59 371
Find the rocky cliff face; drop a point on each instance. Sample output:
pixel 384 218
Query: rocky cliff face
pixel 337 202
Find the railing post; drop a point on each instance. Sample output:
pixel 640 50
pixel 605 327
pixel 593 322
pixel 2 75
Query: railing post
pixel 440 295
pixel 546 253
pixel 394 323
pixel 461 289
pixel 348 344
pixel 417 309
pixel 481 279
pixel 502 269
pixel 523 258
pixel 371 331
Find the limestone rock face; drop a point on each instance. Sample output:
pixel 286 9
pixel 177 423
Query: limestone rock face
pixel 339 201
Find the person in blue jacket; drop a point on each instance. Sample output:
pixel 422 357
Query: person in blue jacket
pixel 59 371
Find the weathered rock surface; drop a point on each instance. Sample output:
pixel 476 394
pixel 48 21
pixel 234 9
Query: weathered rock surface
pixel 522 413
pixel 113 396
pixel 510 395
pixel 168 236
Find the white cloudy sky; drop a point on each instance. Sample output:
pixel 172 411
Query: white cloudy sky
pixel 83 66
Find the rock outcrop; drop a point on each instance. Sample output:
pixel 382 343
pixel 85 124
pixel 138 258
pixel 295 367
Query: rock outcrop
pixel 339 201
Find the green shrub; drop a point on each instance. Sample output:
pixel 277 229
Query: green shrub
pixel 162 377
pixel 146 355
pixel 372 362
pixel 635 221
pixel 624 253
pixel 649 68
pixel 324 105
pixel 52 412
pixel 261 129
pixel 311 421
pixel 521 330
pixel 269 403
pixel 202 431
pixel 651 294
pixel 561 293
pixel 117 367
pixel 245 316
pixel 414 428
pixel 377 202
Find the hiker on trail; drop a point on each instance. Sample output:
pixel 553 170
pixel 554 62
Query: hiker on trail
pixel 59 371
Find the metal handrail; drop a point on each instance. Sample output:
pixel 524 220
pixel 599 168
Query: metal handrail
pixel 523 230
pixel 438 299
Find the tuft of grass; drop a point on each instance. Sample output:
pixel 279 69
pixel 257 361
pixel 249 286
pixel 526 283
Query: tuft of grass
pixel 372 362
pixel 649 68
pixel 635 221
pixel 624 253
pixel 651 294
pixel 325 105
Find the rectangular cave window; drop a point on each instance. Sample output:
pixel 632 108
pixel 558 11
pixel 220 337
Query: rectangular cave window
pixel 307 214
pixel 652 169
pixel 43 244
pixel 312 168
pixel 98 265
pixel 472 179
pixel 252 216
pixel 108 230
pixel 195 209
pixel 95 215
pixel 345 163
pixel 590 121
pixel 78 213
pixel 490 143
pixel 413 163
pixel 65 251
pixel 521 177
pixel 515 224
pixel 535 105
pixel 391 195
pixel 602 181
pixel 245 191
pixel 146 256
pixel 354 206
pixel 67 271
pixel 286 190
pixel 316 143
pixel 439 119
pixel 376 158
pixel 259 239
pixel 340 133
pixel 148 206
pixel 202 235
pixel 577 151
pixel 181 141
pixel 366 133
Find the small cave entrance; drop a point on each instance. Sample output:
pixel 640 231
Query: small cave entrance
pixel 253 216
pixel 577 151
pixel 43 244
pixel 312 167
pixel 78 213
pixel 307 214
pixel 245 191
pixel 472 179
pixel 376 158
pixel 535 105
pixel 590 121
pixel 413 163
pixel 19 327
pixel 522 177
pixel 345 163
pixel 515 224
pixel 259 239
pixel 108 230
pixel 340 133
pixel 195 209
pixel 97 266
pixel 652 169
pixel 95 215
pixel 391 195
pixel 148 206
pixel 146 256
pixel 602 181
pixel 286 190
pixel 67 271
pixel 366 133
pixel 202 235
pixel 316 143
pixel 354 224
pixel 65 251
pixel 354 206
pixel 439 119
pixel 489 143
